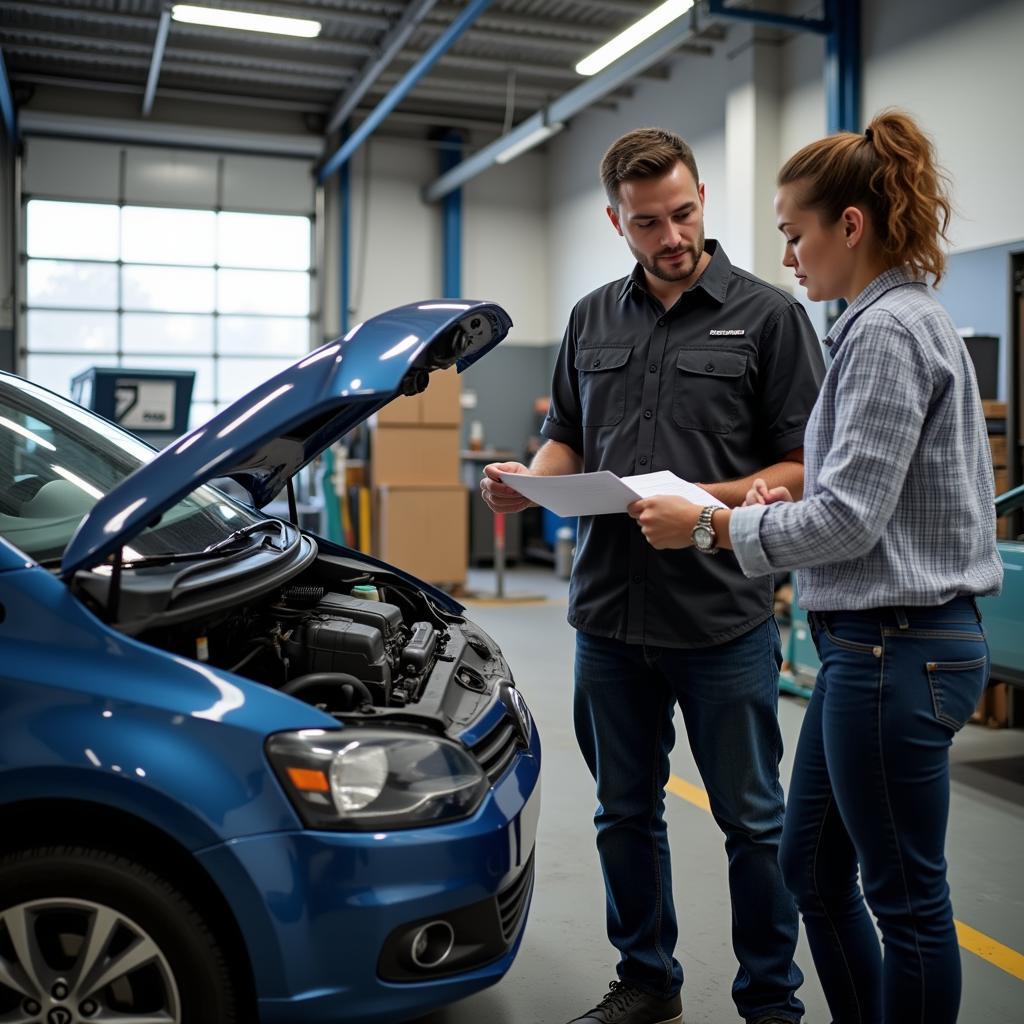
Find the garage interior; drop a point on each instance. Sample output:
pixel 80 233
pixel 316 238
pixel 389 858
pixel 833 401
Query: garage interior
pixel 208 204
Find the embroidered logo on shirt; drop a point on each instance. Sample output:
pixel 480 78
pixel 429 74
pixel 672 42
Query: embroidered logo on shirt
pixel 737 332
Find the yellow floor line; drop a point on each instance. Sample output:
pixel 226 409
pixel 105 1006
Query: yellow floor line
pixel 978 943
pixel 995 953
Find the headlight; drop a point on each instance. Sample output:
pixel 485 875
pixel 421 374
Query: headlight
pixel 372 780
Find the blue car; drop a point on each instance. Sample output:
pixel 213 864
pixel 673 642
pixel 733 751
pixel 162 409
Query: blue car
pixel 246 774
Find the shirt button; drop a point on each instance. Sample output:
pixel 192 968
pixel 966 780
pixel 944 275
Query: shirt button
pixel 708 367
pixel 654 367
pixel 647 414
pixel 643 460
pixel 636 579
pixel 597 363
pixel 661 321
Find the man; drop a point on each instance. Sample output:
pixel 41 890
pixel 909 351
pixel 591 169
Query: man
pixel 692 365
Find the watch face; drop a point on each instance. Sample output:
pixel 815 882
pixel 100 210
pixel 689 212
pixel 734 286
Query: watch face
pixel 702 537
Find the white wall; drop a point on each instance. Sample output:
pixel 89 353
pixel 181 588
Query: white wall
pixel 960 69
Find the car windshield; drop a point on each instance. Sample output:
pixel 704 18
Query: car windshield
pixel 58 459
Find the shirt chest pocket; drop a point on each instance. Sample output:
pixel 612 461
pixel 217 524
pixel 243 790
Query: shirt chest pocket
pixel 602 375
pixel 708 388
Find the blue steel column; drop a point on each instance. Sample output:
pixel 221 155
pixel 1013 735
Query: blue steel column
pixel 332 510
pixel 842 66
pixel 451 220
pixel 7 112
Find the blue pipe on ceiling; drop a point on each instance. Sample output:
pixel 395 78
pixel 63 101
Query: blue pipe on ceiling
pixel 403 86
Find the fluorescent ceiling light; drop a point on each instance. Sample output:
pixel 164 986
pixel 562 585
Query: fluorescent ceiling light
pixel 244 20
pixel 633 36
pixel 535 138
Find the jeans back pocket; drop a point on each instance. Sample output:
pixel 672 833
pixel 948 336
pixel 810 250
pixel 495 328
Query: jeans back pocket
pixel 956 687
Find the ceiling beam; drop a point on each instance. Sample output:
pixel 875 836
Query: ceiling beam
pixel 340 156
pixel 158 55
pixel 371 71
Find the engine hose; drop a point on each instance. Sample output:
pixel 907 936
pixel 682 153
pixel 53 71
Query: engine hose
pixel 345 689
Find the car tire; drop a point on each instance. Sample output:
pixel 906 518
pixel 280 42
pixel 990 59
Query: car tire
pixel 106 935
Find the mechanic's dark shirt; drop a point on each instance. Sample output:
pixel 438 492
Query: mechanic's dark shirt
pixel 717 388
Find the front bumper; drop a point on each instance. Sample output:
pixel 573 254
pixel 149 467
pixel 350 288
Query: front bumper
pixel 326 915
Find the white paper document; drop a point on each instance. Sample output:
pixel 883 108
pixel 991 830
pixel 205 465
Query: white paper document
pixel 596 494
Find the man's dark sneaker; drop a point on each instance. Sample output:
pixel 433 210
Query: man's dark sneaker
pixel 625 1004
pixel 773 1020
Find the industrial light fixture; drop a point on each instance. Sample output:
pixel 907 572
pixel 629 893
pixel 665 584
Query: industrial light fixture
pixel 220 18
pixel 633 36
pixel 534 138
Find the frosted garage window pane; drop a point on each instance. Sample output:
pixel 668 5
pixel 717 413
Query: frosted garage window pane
pixel 199 413
pixel 55 372
pixel 169 289
pixel 263 240
pixel 92 285
pixel 75 231
pixel 157 332
pixel 168 236
pixel 237 376
pixel 263 336
pixel 86 332
pixel 202 389
pixel 263 291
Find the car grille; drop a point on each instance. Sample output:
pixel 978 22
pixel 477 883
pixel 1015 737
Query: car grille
pixel 497 749
pixel 512 901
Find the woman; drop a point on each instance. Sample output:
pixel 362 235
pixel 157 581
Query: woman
pixel 893 540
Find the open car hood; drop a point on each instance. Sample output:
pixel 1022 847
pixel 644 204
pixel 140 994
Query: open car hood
pixel 277 428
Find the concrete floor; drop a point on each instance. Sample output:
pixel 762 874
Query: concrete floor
pixel 565 961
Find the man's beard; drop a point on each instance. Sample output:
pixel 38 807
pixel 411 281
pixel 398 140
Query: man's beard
pixel 677 273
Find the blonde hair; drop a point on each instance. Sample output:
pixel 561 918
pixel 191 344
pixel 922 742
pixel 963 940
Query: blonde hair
pixel 892 173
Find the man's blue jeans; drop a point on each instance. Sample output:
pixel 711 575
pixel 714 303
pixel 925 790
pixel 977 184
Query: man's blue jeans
pixel 728 694
pixel 870 789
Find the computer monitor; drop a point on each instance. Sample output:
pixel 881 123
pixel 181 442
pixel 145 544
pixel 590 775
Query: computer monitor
pixel 984 352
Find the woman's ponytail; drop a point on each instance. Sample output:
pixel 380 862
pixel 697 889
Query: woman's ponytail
pixel 891 172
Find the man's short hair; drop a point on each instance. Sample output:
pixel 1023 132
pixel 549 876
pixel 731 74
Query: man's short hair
pixel 643 153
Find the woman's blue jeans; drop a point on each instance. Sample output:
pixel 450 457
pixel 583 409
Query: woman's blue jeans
pixel 871 789
pixel 728 694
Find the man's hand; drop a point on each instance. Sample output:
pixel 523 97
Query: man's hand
pixel 498 496
pixel 665 521
pixel 761 494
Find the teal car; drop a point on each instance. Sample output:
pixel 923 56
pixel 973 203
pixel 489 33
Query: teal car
pixel 1003 616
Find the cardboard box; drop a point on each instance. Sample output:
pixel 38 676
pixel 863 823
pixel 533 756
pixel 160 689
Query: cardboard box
pixel 437 406
pixel 424 530
pixel 414 455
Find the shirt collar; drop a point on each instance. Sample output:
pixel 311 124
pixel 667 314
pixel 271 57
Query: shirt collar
pixel 714 281
pixel 885 282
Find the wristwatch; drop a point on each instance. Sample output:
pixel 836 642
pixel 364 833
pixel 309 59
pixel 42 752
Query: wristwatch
pixel 703 533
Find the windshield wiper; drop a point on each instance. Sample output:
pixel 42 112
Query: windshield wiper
pixel 235 543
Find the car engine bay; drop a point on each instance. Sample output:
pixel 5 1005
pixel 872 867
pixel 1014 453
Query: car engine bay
pixel 351 639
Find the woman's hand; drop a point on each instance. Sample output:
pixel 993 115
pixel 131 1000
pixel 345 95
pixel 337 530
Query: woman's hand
pixel 665 521
pixel 760 494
